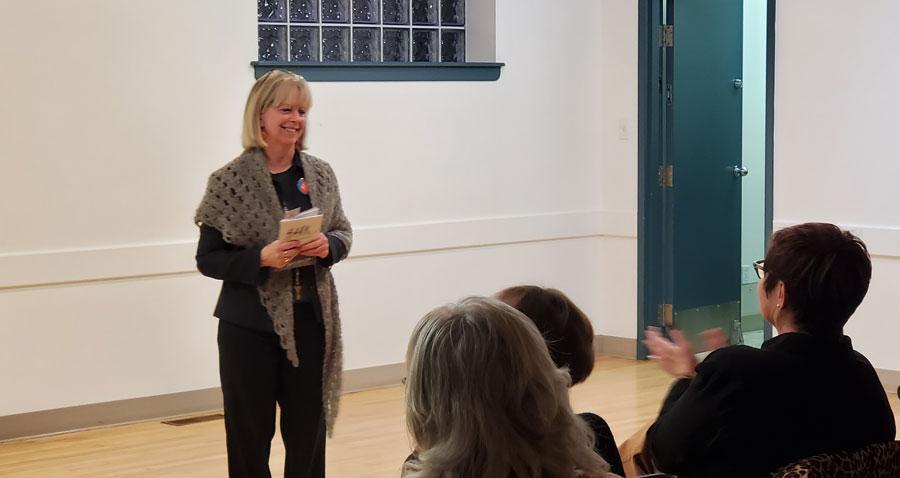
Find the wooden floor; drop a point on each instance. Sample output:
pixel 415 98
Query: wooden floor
pixel 370 438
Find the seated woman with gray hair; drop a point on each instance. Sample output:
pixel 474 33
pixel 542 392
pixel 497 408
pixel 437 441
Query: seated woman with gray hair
pixel 484 399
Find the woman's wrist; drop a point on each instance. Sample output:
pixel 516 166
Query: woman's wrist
pixel 264 259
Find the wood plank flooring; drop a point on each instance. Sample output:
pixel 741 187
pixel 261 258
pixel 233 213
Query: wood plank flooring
pixel 370 439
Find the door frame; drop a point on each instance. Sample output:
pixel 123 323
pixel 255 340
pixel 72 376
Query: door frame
pixel 650 208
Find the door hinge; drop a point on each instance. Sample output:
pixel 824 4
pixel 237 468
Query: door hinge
pixel 665 315
pixel 666 36
pixel 666 176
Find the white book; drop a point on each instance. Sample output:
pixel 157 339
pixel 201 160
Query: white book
pixel 300 226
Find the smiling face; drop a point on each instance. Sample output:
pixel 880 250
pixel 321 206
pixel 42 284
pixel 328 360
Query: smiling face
pixel 284 123
pixel 276 109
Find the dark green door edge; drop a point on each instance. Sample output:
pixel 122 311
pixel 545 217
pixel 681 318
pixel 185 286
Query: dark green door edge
pixel 770 129
pixel 377 71
pixel 649 286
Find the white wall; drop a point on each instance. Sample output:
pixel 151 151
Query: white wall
pixel 836 144
pixel 617 183
pixel 113 115
pixel 111 119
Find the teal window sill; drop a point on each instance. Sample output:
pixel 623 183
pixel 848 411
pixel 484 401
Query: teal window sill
pixel 377 71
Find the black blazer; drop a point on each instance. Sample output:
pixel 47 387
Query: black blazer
pixel 748 412
pixel 240 271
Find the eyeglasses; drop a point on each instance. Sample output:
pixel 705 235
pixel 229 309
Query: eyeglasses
pixel 760 267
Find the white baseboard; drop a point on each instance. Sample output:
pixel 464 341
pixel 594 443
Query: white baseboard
pixel 611 346
pixel 83 417
pixel 119 412
pixel 159 407
pixel 62 420
pixel 890 379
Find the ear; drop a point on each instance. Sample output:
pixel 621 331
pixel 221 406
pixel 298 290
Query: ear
pixel 782 296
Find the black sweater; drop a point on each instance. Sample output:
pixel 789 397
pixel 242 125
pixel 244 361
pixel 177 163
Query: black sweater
pixel 748 412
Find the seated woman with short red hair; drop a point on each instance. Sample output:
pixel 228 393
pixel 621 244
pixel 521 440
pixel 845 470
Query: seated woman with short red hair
pixel 746 412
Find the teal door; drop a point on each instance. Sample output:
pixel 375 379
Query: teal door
pixel 702 208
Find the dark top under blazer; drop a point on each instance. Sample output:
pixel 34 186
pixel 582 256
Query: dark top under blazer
pixel 750 411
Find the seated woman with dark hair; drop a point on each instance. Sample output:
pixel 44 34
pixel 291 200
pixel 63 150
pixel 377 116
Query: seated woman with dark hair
pixel 484 399
pixel 570 339
pixel 744 412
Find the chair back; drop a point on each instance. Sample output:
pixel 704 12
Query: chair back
pixel 880 460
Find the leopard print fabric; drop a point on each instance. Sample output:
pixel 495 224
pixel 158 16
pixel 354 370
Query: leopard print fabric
pixel 881 460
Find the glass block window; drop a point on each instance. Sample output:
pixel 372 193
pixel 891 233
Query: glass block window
pixel 362 30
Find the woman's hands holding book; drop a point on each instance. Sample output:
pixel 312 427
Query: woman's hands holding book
pixel 316 248
pixel 279 253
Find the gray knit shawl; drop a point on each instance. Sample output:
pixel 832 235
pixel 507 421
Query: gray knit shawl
pixel 241 203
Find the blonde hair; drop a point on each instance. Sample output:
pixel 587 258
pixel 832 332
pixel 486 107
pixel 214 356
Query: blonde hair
pixel 270 90
pixel 483 398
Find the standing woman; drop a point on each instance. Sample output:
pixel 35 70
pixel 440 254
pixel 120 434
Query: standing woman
pixel 279 331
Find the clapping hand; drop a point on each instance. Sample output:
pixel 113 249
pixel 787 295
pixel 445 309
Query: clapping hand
pixel 713 339
pixel 677 356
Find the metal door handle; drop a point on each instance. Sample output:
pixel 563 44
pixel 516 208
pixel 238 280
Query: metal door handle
pixel 740 172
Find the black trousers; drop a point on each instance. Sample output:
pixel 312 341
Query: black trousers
pixel 255 375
